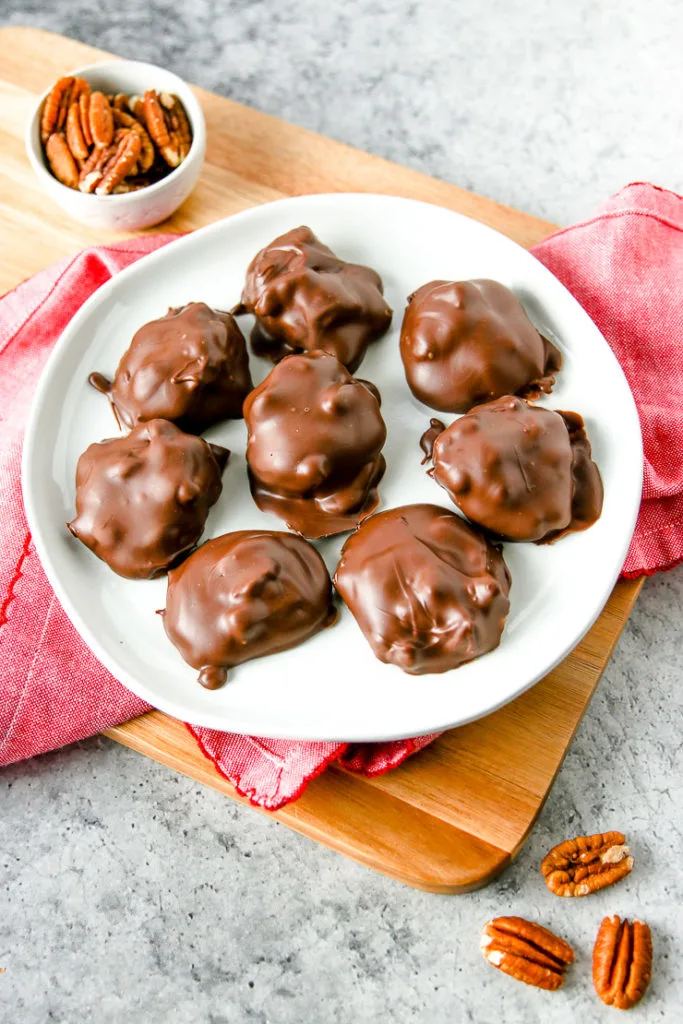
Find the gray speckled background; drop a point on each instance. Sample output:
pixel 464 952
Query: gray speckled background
pixel 129 892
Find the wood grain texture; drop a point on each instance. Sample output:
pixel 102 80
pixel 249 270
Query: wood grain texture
pixel 451 818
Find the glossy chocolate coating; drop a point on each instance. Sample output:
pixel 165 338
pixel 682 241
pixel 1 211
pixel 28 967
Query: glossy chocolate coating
pixel 305 298
pixel 315 440
pixel 466 342
pixel 142 500
pixel 523 472
pixel 190 367
pixel 428 591
pixel 243 595
pixel 430 435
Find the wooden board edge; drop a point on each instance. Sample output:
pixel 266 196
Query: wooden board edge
pixel 138 735
pixel 629 591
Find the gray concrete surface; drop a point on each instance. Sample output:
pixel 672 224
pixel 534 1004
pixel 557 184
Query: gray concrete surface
pixel 127 892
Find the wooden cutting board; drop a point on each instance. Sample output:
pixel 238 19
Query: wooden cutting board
pixel 451 818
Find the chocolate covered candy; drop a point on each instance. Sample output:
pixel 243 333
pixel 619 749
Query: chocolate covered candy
pixel 523 472
pixel 142 500
pixel 190 367
pixel 466 342
pixel 305 298
pixel 315 440
pixel 244 595
pixel 428 591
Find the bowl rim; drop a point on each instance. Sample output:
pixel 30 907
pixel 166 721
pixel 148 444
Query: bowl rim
pixel 192 106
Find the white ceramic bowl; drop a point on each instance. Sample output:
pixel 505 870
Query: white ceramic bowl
pixel 149 205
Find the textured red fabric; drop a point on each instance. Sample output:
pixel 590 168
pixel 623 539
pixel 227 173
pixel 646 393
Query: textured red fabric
pixel 625 266
pixel 274 772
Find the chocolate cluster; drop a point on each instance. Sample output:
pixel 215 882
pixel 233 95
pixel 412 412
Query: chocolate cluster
pixel 244 595
pixel 467 342
pixel 428 591
pixel 305 298
pixel 315 440
pixel 189 366
pixel 142 500
pixel 523 472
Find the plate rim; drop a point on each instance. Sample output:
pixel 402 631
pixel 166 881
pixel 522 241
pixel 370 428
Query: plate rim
pixel 43 546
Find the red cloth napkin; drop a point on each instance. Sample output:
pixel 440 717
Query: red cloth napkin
pixel 625 266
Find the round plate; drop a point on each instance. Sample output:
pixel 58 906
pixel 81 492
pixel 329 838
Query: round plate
pixel 332 687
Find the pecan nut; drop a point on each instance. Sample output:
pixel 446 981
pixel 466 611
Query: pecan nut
pixel 61 161
pixel 136 105
pixel 84 109
pixel 119 101
pixel 55 107
pixel 167 125
pixel 92 170
pixel 121 163
pixel 622 962
pixel 101 120
pixel 79 88
pixel 63 93
pixel 526 951
pixel 583 865
pixel 106 167
pixel 124 120
pixel 75 136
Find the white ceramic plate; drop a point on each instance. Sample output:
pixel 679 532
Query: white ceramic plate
pixel 332 687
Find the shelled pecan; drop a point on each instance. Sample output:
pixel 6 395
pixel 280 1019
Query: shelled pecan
pixel 121 164
pixel 167 125
pixel 583 865
pixel 526 951
pixel 92 170
pixel 101 120
pixel 75 135
pixel 622 962
pixel 124 120
pixel 104 143
pixel 119 101
pixel 61 161
pixel 56 107
pixel 136 105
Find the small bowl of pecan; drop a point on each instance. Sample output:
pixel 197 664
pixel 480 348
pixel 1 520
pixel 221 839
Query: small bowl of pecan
pixel 118 145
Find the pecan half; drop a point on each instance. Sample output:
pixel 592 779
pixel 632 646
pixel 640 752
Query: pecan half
pixel 136 105
pixel 55 107
pixel 167 125
pixel 119 101
pixel 84 110
pixel 61 161
pixel 120 164
pixel 124 120
pixel 583 865
pixel 74 133
pixel 92 170
pixel 101 120
pixel 526 951
pixel 622 962
pixel 79 88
